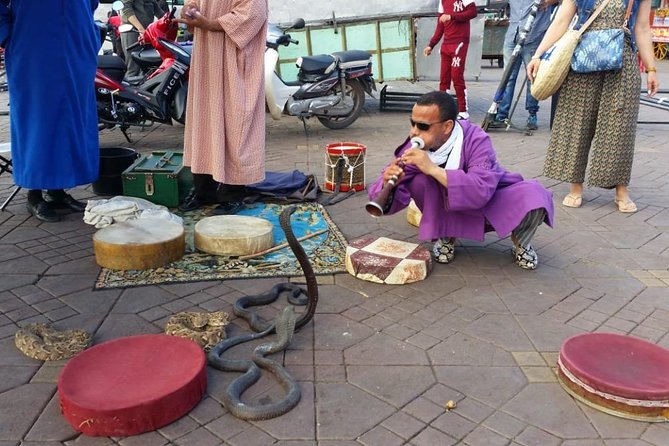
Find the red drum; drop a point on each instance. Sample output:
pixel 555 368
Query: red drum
pixel 350 157
pixel 132 385
pixel 620 375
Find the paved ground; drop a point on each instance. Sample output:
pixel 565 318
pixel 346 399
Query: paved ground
pixel 378 363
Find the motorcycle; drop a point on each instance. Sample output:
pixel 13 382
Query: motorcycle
pixel 330 87
pixel 159 97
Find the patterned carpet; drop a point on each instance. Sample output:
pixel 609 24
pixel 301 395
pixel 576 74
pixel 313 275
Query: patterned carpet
pixel 327 252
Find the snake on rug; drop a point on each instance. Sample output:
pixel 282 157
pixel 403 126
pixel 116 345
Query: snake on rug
pixel 284 326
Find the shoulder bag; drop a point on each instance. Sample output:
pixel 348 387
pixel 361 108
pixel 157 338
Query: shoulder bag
pixel 602 49
pixel 555 62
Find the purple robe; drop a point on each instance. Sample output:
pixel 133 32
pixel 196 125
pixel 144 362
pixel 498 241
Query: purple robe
pixel 481 195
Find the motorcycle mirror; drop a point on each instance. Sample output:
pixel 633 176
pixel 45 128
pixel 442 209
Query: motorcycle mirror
pixel 117 5
pixel 298 24
pixel 125 28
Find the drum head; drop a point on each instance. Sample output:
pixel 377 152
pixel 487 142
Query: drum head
pixel 622 375
pixel 132 385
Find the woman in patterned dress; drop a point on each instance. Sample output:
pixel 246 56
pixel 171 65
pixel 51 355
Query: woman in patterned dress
pixel 597 112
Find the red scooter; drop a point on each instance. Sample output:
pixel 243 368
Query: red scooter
pixel 161 97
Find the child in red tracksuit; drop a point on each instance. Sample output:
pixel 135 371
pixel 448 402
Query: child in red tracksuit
pixel 453 26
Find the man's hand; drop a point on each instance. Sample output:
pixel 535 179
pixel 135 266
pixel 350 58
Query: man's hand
pixel 445 18
pixel 198 20
pixel 393 172
pixel 427 51
pixel 420 159
pixel 188 11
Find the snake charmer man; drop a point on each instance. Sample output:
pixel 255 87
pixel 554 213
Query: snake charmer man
pixel 459 186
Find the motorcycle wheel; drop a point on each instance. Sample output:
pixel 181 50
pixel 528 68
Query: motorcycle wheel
pixel 355 91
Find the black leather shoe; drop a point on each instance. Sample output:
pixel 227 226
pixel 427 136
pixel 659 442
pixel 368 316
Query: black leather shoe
pixel 62 199
pixel 228 208
pixel 43 211
pixel 191 202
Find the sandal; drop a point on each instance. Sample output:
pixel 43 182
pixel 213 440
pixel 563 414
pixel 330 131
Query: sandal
pixel 626 206
pixel 572 201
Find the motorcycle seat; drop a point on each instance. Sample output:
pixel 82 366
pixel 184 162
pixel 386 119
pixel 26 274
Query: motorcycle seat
pixel 352 58
pixel 321 64
pixel 113 66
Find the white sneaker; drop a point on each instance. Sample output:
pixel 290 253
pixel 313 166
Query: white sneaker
pixel 463 115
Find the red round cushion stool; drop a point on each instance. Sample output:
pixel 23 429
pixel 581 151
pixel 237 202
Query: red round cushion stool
pixel 620 375
pixel 132 385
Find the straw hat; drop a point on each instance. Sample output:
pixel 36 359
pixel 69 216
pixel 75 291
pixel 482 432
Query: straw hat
pixel 554 66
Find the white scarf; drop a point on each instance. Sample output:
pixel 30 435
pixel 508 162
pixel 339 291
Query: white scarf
pixel 451 151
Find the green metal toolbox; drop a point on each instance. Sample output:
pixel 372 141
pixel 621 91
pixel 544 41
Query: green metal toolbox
pixel 159 177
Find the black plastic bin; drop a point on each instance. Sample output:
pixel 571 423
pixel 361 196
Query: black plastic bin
pixel 113 161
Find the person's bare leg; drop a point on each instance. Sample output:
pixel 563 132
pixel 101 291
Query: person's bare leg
pixel 623 201
pixel 574 198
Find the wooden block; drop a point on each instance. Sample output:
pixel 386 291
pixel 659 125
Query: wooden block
pixel 144 243
pixel 233 235
pixel 414 214
pixel 384 260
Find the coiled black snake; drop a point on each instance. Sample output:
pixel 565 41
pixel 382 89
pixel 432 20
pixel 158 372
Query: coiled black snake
pixel 284 326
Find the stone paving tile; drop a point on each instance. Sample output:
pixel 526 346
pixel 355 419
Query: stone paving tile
pixel 362 412
pixel 549 408
pixel 198 437
pixel 539 374
pixel 27 402
pixel 533 436
pixel 299 423
pixel 400 384
pixel 481 436
pixel 251 437
pixel 15 376
pixel 431 437
pixel 380 435
pixel 337 333
pixel 492 385
pixel 489 328
pixel 50 425
pixel 454 425
pixel 146 439
pixel 403 425
pixel 504 424
pixel 381 349
pixel 461 349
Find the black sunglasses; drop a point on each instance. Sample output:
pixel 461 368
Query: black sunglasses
pixel 424 126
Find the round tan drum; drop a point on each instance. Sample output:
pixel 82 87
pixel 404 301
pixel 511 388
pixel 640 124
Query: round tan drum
pixel 143 243
pixel 384 260
pixel 233 235
pixel 414 214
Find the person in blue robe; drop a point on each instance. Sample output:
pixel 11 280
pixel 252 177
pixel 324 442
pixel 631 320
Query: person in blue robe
pixel 51 52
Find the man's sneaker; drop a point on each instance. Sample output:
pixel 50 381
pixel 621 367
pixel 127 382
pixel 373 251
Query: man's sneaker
pixel 532 122
pixel 526 257
pixel 444 250
pixel 463 115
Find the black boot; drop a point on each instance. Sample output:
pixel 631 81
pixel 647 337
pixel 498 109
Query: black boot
pixel 39 208
pixel 60 199
pixel 202 193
